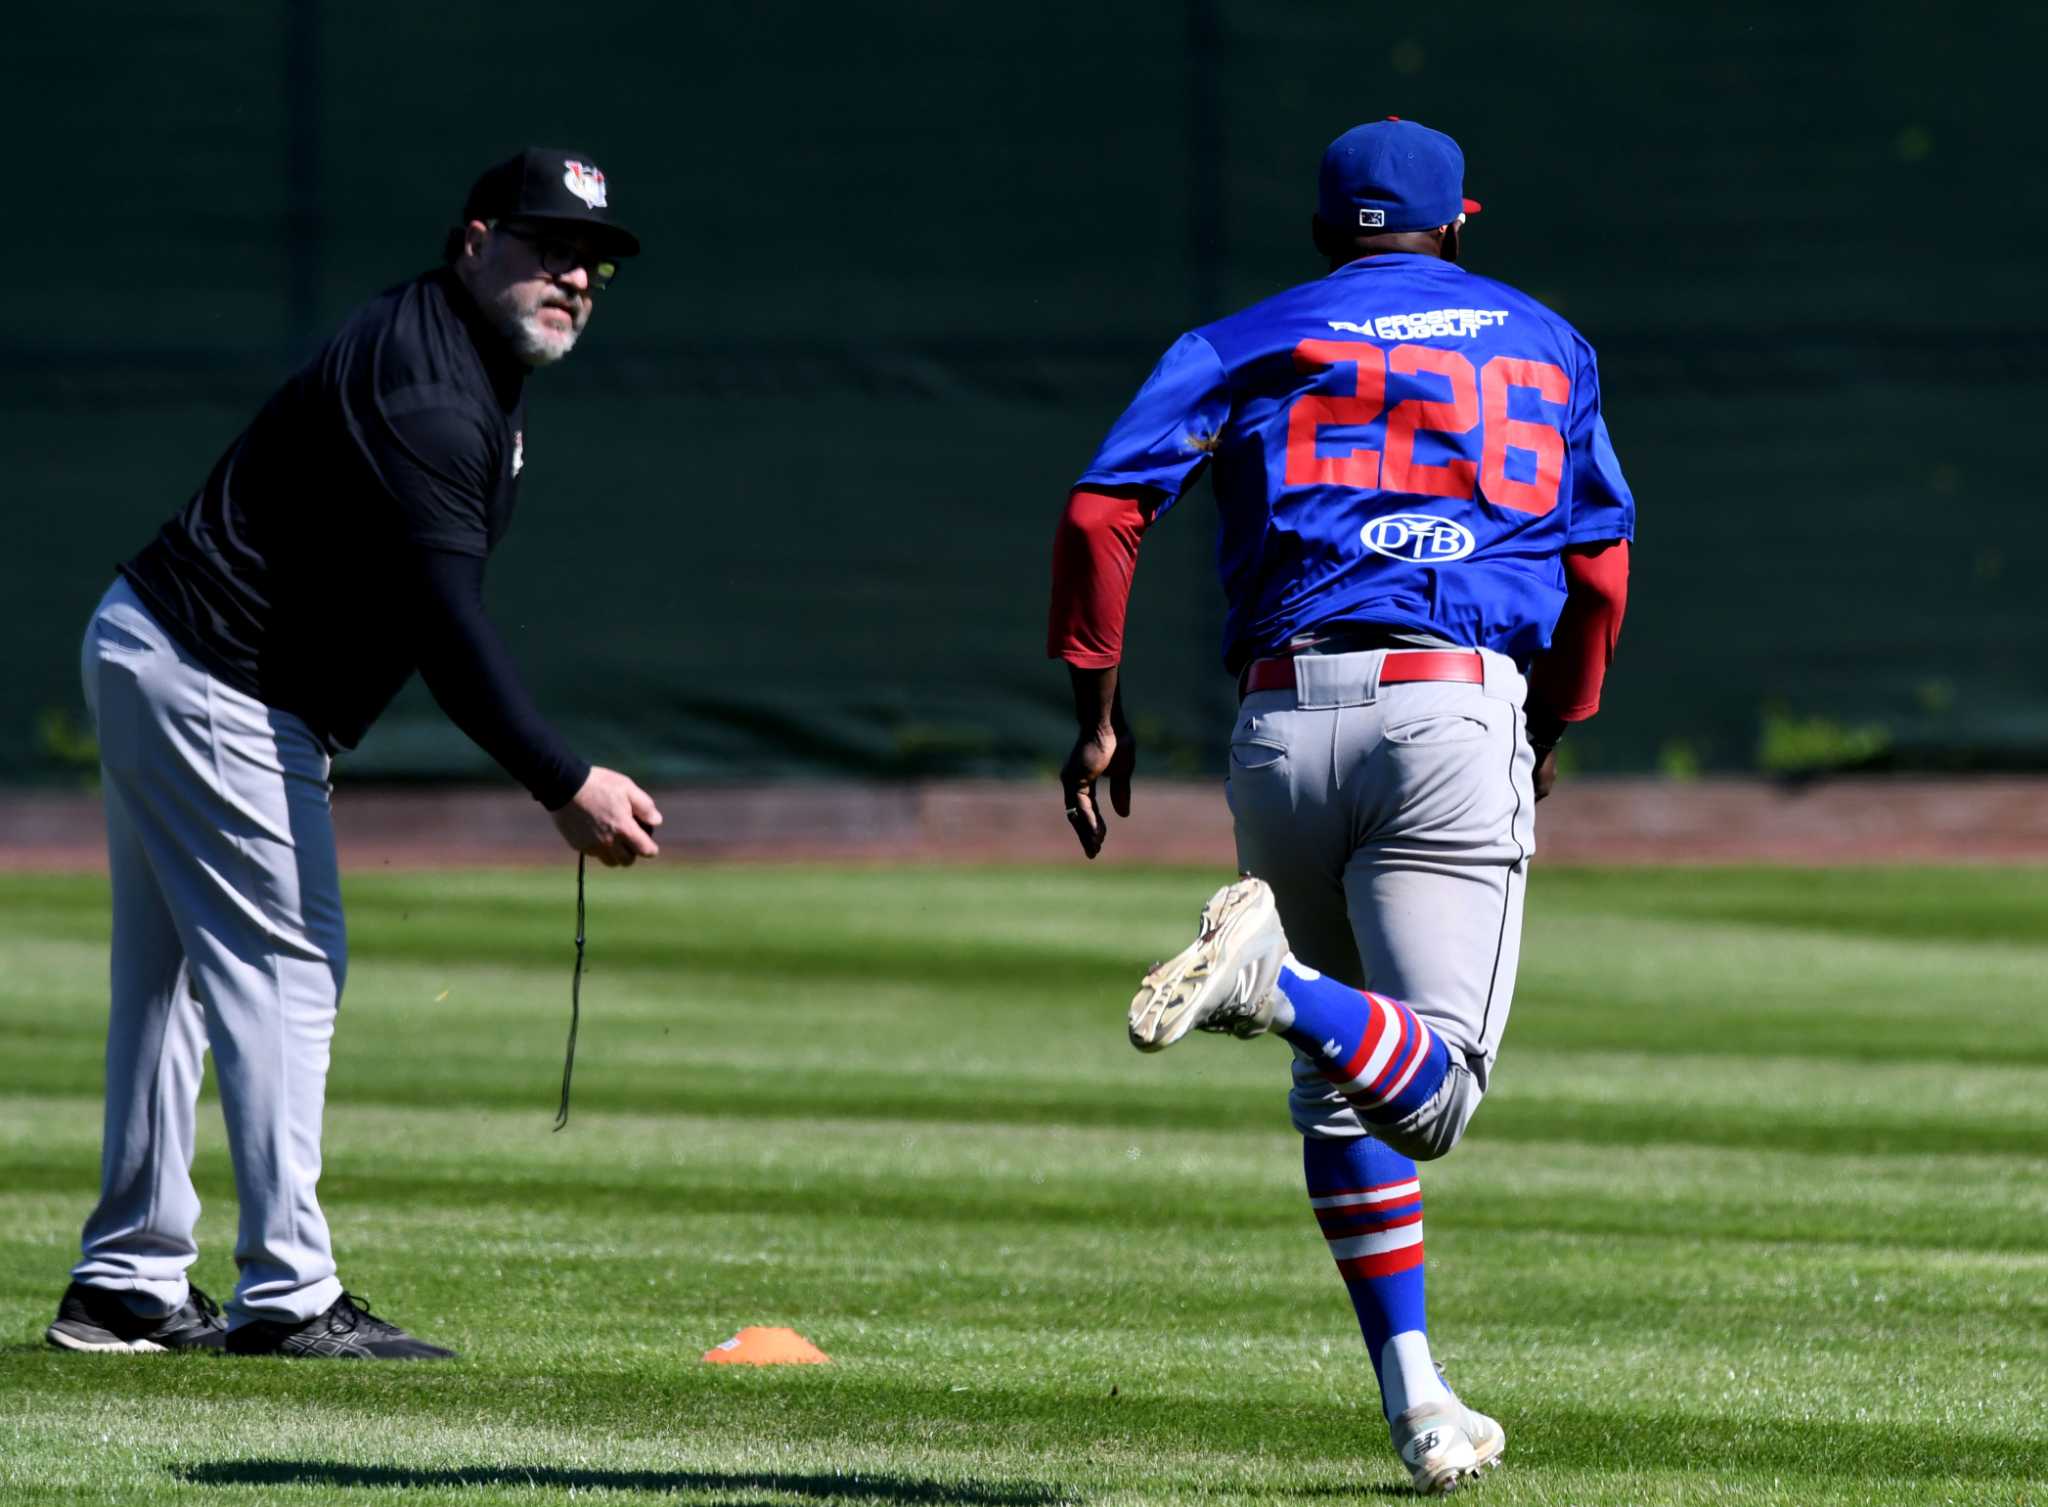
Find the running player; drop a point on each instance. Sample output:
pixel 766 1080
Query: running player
pixel 1423 541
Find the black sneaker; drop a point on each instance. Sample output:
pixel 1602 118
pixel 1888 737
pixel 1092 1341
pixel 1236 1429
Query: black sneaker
pixel 95 1318
pixel 348 1330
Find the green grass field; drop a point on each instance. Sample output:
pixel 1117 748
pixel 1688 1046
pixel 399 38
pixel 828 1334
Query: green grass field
pixel 1757 1212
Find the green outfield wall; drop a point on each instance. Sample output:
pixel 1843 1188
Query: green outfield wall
pixel 788 512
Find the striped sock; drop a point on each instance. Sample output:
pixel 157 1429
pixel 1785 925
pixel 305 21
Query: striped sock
pixel 1368 1200
pixel 1384 1061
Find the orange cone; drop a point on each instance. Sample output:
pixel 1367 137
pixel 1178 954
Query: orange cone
pixel 759 1346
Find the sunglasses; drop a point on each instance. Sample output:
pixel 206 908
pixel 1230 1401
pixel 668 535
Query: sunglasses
pixel 558 256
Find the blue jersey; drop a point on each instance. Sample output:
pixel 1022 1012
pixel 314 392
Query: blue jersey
pixel 1401 442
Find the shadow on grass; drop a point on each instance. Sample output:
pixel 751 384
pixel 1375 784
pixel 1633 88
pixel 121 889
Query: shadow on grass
pixel 822 1488
pixel 1550 1439
pixel 1351 1491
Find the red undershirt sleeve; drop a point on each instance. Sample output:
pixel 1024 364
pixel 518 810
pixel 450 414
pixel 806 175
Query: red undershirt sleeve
pixel 1565 683
pixel 1094 556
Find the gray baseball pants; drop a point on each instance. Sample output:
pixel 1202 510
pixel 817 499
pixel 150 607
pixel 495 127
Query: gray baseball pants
pixel 1395 824
pixel 227 932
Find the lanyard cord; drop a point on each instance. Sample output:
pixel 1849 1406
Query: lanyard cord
pixel 575 1002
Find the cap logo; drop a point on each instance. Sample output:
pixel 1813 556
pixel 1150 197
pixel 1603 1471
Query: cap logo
pixel 585 182
pixel 1368 219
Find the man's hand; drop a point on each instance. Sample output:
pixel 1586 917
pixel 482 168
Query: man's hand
pixel 1103 750
pixel 610 818
pixel 1104 747
pixel 1106 750
pixel 1544 728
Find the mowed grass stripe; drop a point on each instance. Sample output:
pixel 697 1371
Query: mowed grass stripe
pixel 1707 1242
pixel 1074 1175
pixel 747 939
pixel 666 1275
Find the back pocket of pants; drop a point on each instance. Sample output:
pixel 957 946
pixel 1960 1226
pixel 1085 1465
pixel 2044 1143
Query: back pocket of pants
pixel 110 633
pixel 1438 727
pixel 1252 754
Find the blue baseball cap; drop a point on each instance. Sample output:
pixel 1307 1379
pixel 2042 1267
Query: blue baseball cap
pixel 1390 175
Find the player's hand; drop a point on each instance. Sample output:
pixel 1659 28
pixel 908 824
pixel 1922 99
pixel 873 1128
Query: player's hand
pixel 1546 772
pixel 1097 752
pixel 611 819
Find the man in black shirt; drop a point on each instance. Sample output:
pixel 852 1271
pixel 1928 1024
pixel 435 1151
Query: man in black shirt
pixel 337 546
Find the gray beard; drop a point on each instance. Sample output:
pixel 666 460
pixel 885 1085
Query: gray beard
pixel 531 346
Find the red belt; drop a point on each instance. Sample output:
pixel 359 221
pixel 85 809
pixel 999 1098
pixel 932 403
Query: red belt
pixel 1399 667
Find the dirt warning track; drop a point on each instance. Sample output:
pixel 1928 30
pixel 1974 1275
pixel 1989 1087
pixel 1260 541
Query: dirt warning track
pixel 1991 820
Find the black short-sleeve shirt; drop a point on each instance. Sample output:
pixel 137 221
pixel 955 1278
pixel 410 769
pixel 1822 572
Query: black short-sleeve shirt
pixel 288 573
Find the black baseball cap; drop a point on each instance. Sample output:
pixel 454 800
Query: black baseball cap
pixel 547 183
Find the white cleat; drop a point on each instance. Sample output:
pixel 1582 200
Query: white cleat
pixel 1446 1444
pixel 1223 980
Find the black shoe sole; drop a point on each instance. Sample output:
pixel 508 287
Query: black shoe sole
pixel 424 1351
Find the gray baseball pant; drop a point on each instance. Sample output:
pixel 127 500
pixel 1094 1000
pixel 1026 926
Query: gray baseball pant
pixel 1395 825
pixel 228 932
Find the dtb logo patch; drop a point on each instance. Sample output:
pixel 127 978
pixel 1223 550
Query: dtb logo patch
pixel 585 182
pixel 1421 538
pixel 1371 219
